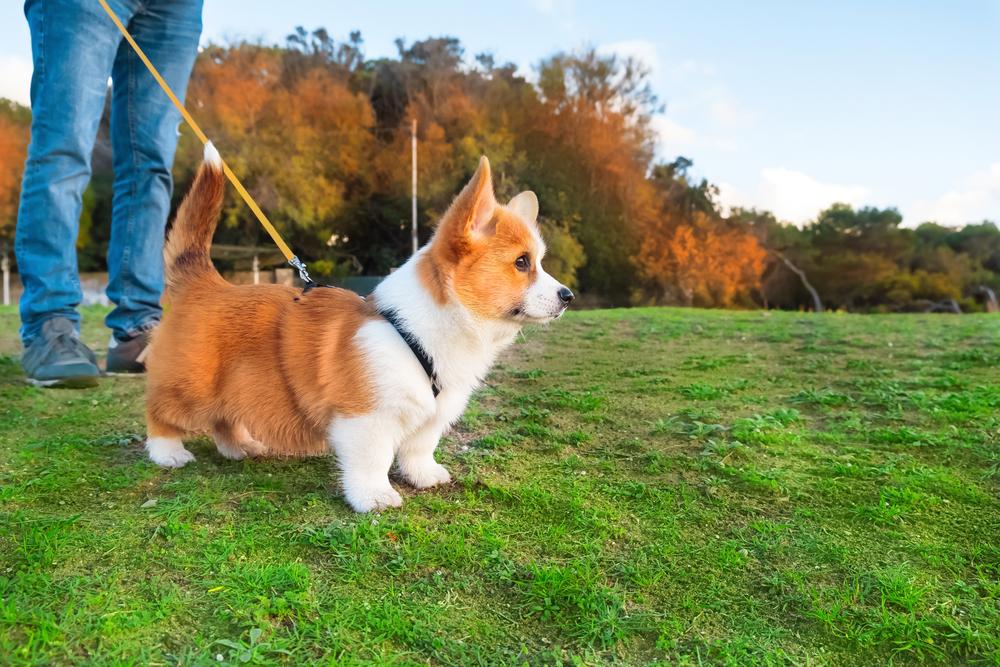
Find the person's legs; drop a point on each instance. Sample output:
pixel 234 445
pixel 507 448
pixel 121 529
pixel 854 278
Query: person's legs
pixel 73 46
pixel 144 135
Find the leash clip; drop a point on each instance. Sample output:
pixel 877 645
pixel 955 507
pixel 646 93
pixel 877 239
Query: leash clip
pixel 300 265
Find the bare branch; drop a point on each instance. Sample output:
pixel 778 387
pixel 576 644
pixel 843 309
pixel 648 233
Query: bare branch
pixel 817 302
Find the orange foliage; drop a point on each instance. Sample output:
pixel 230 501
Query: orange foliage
pixel 233 86
pixel 702 262
pixel 300 138
pixel 13 147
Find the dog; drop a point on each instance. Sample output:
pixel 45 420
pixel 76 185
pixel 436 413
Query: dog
pixel 274 371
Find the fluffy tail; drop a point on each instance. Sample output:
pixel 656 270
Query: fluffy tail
pixel 186 253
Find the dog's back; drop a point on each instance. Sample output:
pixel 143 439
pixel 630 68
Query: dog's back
pixel 238 360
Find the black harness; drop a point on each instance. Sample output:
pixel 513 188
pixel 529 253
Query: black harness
pixel 392 317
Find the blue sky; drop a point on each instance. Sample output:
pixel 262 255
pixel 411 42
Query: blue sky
pixel 785 105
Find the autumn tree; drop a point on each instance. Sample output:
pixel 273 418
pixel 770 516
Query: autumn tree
pixel 289 122
pixel 701 261
pixel 589 148
pixel 320 135
pixel 15 121
pixel 785 282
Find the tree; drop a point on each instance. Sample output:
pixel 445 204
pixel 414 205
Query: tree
pixel 15 121
pixel 290 124
pixel 320 135
pixel 701 261
pixel 590 147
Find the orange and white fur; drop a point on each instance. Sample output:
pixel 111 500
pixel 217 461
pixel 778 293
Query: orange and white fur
pixel 270 371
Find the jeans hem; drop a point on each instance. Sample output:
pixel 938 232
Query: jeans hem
pixel 36 328
pixel 139 330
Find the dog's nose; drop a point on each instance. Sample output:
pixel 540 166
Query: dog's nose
pixel 565 295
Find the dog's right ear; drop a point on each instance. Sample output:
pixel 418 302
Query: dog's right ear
pixel 473 209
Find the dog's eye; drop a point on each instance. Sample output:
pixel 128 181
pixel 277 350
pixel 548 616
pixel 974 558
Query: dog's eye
pixel 522 263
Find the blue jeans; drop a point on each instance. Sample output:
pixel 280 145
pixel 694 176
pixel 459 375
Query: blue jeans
pixel 76 48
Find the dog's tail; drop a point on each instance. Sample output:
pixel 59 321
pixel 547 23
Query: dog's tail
pixel 186 252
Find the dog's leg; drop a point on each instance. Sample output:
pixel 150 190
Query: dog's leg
pixel 364 447
pixel 163 443
pixel 235 442
pixel 415 458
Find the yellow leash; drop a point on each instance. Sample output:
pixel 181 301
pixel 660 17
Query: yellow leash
pixel 275 236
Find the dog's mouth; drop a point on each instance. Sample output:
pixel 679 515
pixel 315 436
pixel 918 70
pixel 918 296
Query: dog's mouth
pixel 518 314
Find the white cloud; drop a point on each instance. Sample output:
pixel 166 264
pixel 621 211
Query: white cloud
pixel 795 196
pixel 976 199
pixel 727 145
pixel 727 112
pixel 671 134
pixel 792 195
pixel 730 197
pixel 15 78
pixel 674 138
pixel 561 10
pixel 693 67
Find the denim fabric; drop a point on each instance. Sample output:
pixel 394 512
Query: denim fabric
pixel 76 48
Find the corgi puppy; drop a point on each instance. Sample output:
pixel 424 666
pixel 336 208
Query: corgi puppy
pixel 270 370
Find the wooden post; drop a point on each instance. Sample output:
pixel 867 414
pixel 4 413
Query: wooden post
pixel 256 269
pixel 5 267
pixel 413 144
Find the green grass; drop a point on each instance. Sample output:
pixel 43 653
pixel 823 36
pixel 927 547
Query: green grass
pixel 634 487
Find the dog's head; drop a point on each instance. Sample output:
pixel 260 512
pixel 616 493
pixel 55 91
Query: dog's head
pixel 489 256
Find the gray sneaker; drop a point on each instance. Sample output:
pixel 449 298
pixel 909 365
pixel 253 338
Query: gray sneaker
pixel 128 356
pixel 57 357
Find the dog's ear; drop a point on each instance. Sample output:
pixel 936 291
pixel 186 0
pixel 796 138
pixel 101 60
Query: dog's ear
pixel 525 205
pixel 474 207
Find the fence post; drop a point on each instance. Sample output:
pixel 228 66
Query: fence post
pixel 5 267
pixel 256 270
pixel 413 167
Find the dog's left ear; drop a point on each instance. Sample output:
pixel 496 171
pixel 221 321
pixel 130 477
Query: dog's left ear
pixel 525 205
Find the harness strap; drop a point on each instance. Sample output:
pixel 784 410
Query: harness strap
pixel 392 317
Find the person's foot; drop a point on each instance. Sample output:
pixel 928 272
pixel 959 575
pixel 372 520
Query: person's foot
pixel 127 356
pixel 58 358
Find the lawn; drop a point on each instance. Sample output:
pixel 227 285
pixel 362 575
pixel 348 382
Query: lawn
pixel 632 486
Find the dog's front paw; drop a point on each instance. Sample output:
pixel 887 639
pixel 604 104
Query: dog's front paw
pixel 168 452
pixel 371 498
pixel 425 474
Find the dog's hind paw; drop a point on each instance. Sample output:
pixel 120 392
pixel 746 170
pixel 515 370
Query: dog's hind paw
pixel 236 443
pixel 168 452
pixel 246 449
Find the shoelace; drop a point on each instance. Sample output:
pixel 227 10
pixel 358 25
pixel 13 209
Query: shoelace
pixel 64 344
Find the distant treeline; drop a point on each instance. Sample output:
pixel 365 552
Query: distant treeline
pixel 320 135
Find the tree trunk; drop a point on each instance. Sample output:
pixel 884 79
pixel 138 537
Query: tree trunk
pixel 817 302
pixel 990 298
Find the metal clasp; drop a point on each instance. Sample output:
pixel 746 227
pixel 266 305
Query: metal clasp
pixel 300 265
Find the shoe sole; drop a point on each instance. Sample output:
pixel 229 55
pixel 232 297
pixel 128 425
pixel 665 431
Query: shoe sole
pixel 78 382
